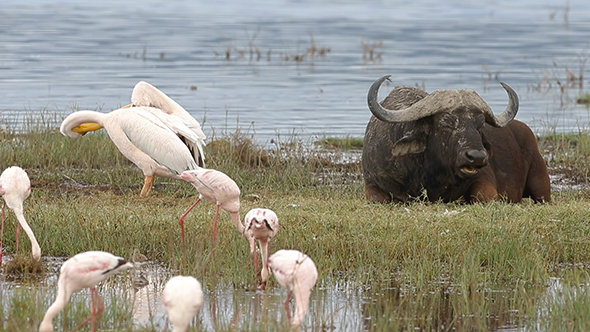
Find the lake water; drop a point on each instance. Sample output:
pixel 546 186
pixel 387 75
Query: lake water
pixel 334 305
pixel 69 54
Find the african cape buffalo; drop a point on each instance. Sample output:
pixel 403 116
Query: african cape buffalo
pixel 450 146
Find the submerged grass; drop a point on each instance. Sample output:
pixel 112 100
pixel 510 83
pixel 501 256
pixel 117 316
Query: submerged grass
pixel 423 265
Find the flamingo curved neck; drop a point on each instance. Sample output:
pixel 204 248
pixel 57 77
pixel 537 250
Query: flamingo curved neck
pixel 264 247
pixel 57 306
pixel 34 244
pixel 235 217
pixel 301 306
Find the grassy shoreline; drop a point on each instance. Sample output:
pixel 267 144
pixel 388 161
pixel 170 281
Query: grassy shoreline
pixel 86 197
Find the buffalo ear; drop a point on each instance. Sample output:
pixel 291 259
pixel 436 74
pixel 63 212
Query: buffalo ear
pixel 411 143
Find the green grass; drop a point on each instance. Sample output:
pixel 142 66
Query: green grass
pixel 584 98
pixel 423 265
pixel 347 142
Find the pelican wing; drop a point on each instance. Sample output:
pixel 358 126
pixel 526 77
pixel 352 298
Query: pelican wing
pixel 156 139
pixel 145 94
pixel 195 141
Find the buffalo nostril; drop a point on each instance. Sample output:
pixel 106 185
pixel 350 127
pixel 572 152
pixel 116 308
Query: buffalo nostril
pixel 477 158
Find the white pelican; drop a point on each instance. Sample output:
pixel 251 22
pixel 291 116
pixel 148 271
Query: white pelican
pixel 150 138
pixel 145 94
pixel 217 188
pixel 15 187
pixel 85 270
pixel 261 225
pixel 298 274
pixel 182 298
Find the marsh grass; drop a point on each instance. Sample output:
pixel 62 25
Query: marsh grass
pixel 566 304
pixel 423 265
pixel 569 153
pixel 22 266
pixel 345 143
pixel 584 98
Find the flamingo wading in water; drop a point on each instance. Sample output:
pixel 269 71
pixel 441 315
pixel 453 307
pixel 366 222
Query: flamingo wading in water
pixel 183 299
pixel 261 225
pixel 15 188
pixel 217 188
pixel 84 270
pixel 159 143
pixel 298 274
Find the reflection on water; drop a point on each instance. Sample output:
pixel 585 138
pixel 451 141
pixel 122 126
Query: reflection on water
pixel 147 304
pixel 335 305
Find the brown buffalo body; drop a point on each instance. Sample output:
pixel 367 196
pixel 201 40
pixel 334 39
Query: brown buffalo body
pixel 458 154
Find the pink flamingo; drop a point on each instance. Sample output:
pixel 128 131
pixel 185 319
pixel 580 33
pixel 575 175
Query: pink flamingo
pixel 15 187
pixel 298 274
pixel 84 270
pixel 217 188
pixel 183 299
pixel 261 225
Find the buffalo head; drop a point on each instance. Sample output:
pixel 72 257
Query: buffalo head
pixel 442 142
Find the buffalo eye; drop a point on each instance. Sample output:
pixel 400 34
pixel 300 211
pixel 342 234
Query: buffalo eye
pixel 479 120
pixel 449 121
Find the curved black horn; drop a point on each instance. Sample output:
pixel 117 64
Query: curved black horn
pixel 442 101
pixel 438 101
pixel 372 100
pixel 509 113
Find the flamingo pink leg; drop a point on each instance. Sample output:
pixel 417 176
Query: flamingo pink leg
pixel 182 227
pixel 96 300
pixel 2 232
pixel 215 230
pixel 266 247
pixel 17 237
pixel 166 325
pixel 255 264
pixel 255 261
pixel 287 305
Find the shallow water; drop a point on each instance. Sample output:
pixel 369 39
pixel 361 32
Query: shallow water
pixel 334 305
pixel 69 54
